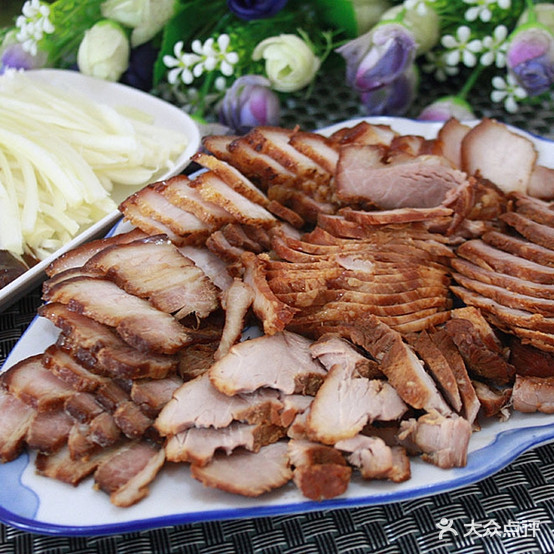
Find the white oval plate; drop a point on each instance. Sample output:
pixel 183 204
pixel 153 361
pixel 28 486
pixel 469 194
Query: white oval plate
pixel 115 95
pixel 44 505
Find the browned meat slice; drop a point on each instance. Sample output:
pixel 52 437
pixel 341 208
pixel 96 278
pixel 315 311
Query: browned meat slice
pixel 236 301
pixel 487 257
pixel 481 349
pixel 499 155
pixel 438 366
pixel 133 423
pixel 530 361
pixel 322 150
pixel 420 183
pixel 375 459
pixel 494 401
pixel 344 404
pixel 232 177
pixel 396 215
pixel 293 405
pixel 537 233
pixel 281 361
pixel 196 359
pixel 541 184
pixel 199 445
pixel 198 403
pixel 449 139
pixel 520 247
pixel 82 407
pixel 449 350
pixel 398 362
pixel 137 322
pixel 78 256
pixel 301 202
pixel 442 440
pixel 179 191
pixel 320 471
pixel 15 418
pixel 533 394
pixel 333 350
pixel 534 208
pixel 127 473
pixel 11 267
pixel 218 145
pixel 151 395
pixel 273 313
pixel 157 271
pixel 247 473
pixel 103 430
pixel 49 431
pixel 68 370
pixel 35 385
pixel 213 189
pixel 365 133
pixel 286 214
pixel 213 266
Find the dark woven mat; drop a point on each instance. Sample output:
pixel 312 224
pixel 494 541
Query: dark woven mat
pixel 511 512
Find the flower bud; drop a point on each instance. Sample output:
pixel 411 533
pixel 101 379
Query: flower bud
pixel 379 57
pixel 13 55
pixel 145 17
pixel 249 103
pixel 255 9
pixel 543 13
pixel 446 107
pixel 104 51
pixel 394 98
pixel 368 13
pixel 290 63
pixel 530 57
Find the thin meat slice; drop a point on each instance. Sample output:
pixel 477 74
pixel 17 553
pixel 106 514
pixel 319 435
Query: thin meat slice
pixel 443 441
pixel 199 445
pixel 375 459
pixel 151 395
pixel 533 394
pixel 137 322
pixel 156 270
pixel 281 361
pixel 35 385
pixel 49 431
pixel 320 471
pixel 541 184
pixel 15 418
pixel 82 407
pixel 395 216
pixel 213 266
pixel 126 474
pixel 534 208
pixel 520 247
pixel 322 150
pixel 531 361
pixel 537 233
pixel 247 473
pixel 449 139
pixel 198 403
pixel 365 133
pixel 494 400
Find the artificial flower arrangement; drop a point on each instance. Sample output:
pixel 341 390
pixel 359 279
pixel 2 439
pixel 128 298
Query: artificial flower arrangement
pixel 235 59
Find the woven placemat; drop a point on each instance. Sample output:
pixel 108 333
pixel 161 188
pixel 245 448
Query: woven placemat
pixel 510 512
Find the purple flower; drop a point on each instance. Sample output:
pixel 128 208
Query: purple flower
pixel 249 103
pixel 255 9
pixel 530 58
pixel 446 107
pixel 15 57
pixel 379 57
pixel 393 98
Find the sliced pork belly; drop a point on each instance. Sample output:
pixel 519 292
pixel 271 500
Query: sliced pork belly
pixel 537 233
pixel 198 403
pixel 442 440
pixel 213 189
pixel 35 385
pixel 365 133
pixel 422 183
pixel 133 423
pixel 15 418
pixel 137 322
pixel 78 256
pixel 397 215
pixel 247 473
pixel 533 394
pixel 499 155
pixel 151 395
pixel 156 270
pixel 541 184
pixel 127 473
pixel 375 459
pixel 320 471
pixel 449 138
pixel 301 202
pixel 49 431
pixel 199 445
pixel 281 361
pixel 534 208
pixel 520 247
pixel 104 431
pixel 344 404
pixel 232 177
pixel 179 192
pixel 531 361
pixel 487 257
pixel 494 400
pixel 213 266
pixel 322 150
pixel 82 407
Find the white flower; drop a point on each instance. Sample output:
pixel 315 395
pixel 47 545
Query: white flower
pixel 495 47
pixel 461 47
pixel 437 65
pixel 482 9
pixel 290 63
pixel 418 6
pixel 205 57
pixel 33 24
pixel 508 91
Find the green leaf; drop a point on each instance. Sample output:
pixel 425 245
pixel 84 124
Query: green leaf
pixel 339 14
